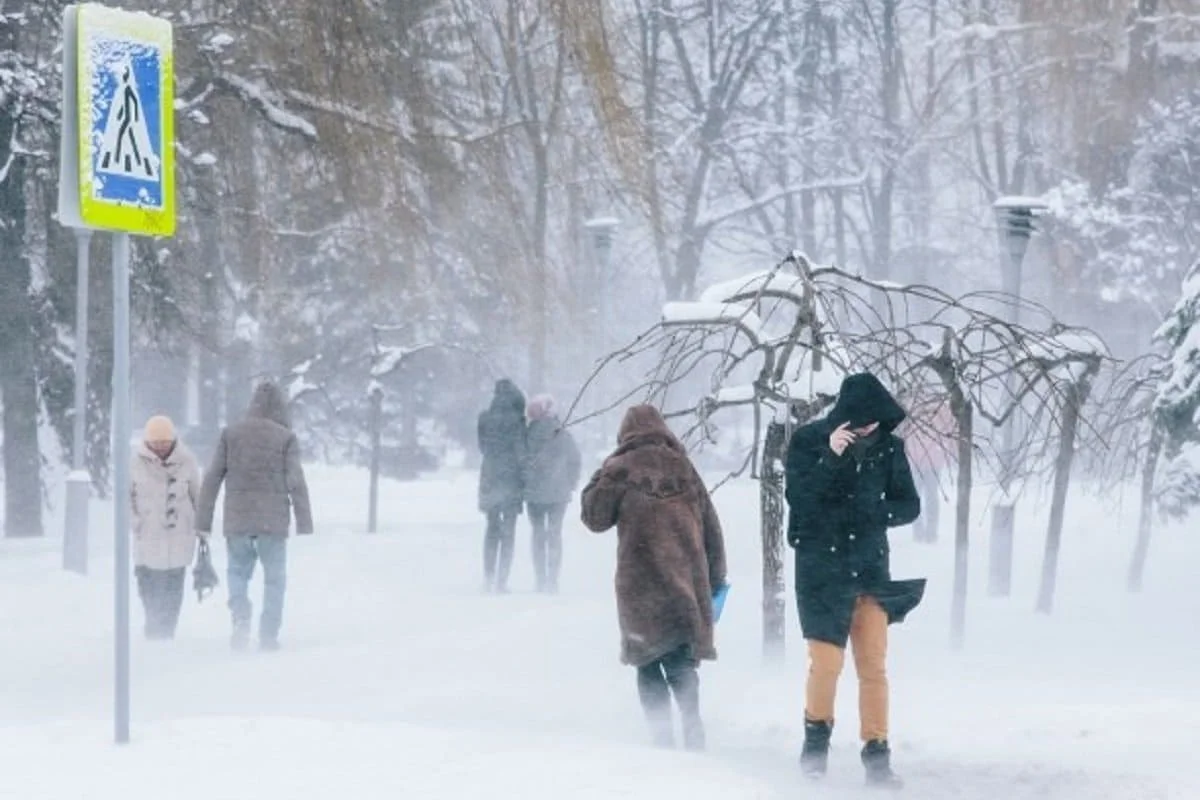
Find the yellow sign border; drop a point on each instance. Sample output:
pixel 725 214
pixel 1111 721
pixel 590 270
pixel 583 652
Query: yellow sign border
pixel 153 32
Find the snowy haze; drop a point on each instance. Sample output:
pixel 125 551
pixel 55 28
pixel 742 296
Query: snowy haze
pixel 399 678
pixel 387 206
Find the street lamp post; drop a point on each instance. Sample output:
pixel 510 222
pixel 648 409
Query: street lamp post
pixel 1015 221
pixel 602 230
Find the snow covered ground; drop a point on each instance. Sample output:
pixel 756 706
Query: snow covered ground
pixel 400 679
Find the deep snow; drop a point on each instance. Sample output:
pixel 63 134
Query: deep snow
pixel 400 679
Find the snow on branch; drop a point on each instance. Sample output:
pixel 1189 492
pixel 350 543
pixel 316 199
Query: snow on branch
pixel 928 344
pixel 389 358
pixel 346 112
pixel 268 104
pixel 702 313
pixel 713 219
pixel 767 283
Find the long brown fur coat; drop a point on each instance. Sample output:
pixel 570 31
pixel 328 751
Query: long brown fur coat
pixel 670 551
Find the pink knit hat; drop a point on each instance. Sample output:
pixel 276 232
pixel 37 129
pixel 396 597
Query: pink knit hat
pixel 159 429
pixel 540 407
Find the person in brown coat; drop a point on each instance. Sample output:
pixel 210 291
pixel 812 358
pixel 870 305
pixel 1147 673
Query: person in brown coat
pixel 258 461
pixel 670 559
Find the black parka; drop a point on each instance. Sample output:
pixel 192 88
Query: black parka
pixel 501 432
pixel 840 509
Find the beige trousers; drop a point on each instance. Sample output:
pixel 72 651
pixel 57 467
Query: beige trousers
pixel 868 642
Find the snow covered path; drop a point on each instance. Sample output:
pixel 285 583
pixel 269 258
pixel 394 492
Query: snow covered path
pixel 400 679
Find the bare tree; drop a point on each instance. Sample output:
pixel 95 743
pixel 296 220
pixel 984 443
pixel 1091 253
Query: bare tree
pixel 789 334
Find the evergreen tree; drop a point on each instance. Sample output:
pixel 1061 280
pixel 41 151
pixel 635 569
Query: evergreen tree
pixel 1177 401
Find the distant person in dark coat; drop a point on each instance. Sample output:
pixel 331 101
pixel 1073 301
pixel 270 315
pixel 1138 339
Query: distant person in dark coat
pixel 848 481
pixel 501 432
pixel 670 561
pixel 258 461
pixel 551 477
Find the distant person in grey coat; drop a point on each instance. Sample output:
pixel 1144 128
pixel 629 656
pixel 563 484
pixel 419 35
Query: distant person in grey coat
pixel 551 476
pixel 501 433
pixel 258 460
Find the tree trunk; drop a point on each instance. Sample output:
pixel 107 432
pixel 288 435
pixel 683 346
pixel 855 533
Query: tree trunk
pixel 209 416
pixel 772 520
pixel 964 415
pixel 1076 396
pixel 537 371
pixel 882 201
pixel 837 195
pixel 1137 565
pixel 18 375
pixel 931 506
pixel 376 433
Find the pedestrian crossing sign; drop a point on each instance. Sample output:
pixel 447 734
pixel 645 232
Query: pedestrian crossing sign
pixel 126 131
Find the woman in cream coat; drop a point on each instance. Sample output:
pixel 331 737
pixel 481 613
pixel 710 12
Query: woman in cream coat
pixel 164 488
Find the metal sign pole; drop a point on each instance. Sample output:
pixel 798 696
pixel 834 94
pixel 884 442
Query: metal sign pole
pixel 116 173
pixel 121 436
pixel 79 482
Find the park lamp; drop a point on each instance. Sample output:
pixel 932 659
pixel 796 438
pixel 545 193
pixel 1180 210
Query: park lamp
pixel 602 230
pixel 1016 217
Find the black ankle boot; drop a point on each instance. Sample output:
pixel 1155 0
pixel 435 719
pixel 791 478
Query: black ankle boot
pixel 814 758
pixel 877 759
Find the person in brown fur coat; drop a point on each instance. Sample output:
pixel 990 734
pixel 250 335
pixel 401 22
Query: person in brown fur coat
pixel 670 559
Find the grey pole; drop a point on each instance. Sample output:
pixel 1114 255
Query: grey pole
pixel 75 537
pixel 120 449
pixel 602 230
pixel 1015 217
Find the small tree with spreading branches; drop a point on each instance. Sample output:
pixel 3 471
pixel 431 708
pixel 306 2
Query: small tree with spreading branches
pixel 778 343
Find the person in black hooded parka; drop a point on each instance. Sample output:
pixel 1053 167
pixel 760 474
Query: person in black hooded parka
pixel 501 480
pixel 848 481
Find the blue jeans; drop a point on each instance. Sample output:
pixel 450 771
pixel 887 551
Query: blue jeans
pixel 244 552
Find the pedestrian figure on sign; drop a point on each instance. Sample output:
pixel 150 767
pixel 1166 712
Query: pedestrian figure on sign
pixel 848 482
pixel 129 113
pixel 501 433
pixel 551 477
pixel 670 562
pixel 258 461
pixel 164 488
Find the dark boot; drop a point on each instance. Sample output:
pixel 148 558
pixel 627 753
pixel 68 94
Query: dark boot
pixel 491 548
pixel 814 757
pixel 505 560
pixel 877 759
pixel 656 703
pixel 680 672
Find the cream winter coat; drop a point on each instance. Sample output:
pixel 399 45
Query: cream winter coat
pixel 164 497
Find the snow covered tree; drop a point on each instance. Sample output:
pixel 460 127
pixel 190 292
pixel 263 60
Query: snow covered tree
pixel 27 76
pixel 1177 401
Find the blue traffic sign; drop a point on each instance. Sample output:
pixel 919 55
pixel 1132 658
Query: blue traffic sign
pixel 126 124
pixel 125 121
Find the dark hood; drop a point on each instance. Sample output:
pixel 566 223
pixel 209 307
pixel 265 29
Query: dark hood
pixel 863 400
pixel 507 397
pixel 268 403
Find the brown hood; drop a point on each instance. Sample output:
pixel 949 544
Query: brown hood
pixel 644 422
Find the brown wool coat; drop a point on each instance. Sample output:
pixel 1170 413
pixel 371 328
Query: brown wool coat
pixel 670 551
